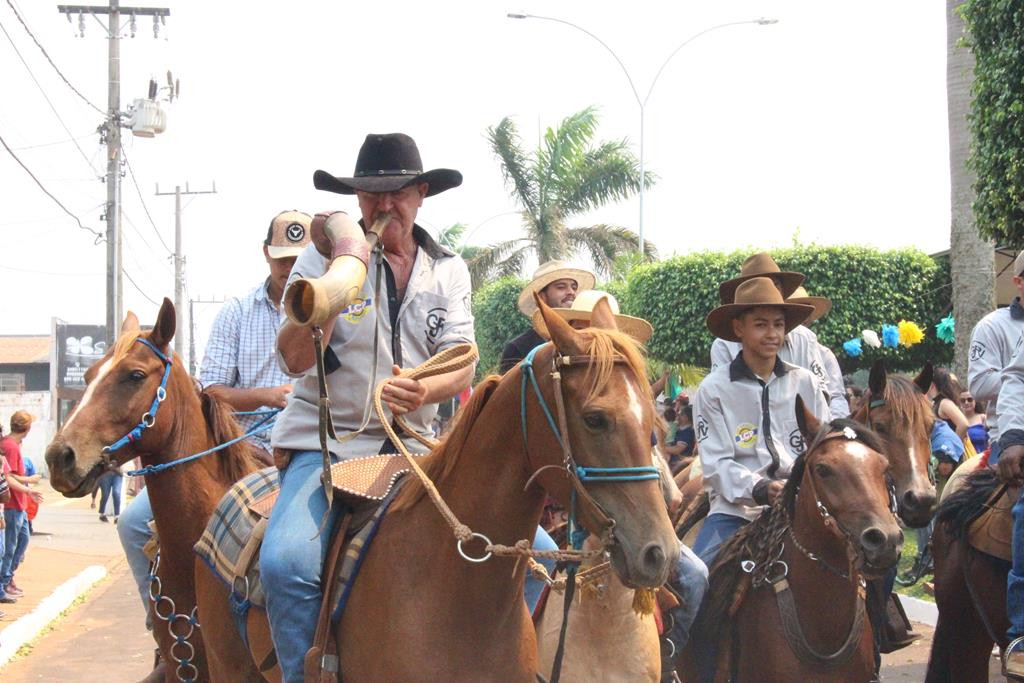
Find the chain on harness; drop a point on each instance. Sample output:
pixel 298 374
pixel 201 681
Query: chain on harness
pixel 185 670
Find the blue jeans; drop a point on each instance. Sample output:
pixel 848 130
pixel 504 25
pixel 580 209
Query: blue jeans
pixel 111 484
pixel 14 521
pixel 690 581
pixel 717 529
pixel 133 530
pixel 23 538
pixel 1015 578
pixel 291 561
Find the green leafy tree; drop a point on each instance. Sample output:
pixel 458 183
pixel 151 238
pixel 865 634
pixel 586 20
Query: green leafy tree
pixel 995 32
pixel 497 320
pixel 568 175
pixel 451 238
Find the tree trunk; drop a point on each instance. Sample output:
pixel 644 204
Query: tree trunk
pixel 972 259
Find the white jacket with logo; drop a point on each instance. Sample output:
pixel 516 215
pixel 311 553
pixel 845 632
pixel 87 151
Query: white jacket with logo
pixel 747 430
pixel 992 345
pixel 434 315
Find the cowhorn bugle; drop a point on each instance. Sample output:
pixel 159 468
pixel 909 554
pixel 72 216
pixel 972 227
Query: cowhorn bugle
pixel 313 301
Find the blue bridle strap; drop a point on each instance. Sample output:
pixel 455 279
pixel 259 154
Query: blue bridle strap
pixel 529 372
pixel 149 418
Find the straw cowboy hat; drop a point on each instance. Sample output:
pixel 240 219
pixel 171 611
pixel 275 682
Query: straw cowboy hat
pixel 546 274
pixel 582 308
pixel 759 265
pixel 758 291
pixel 822 304
pixel 386 163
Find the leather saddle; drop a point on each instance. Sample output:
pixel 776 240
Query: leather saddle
pixel 992 531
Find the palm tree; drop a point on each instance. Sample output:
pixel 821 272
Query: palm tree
pixel 569 174
pixel 451 238
pixel 971 258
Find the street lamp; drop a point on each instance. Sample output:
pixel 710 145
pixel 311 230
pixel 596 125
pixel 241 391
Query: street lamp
pixel 642 103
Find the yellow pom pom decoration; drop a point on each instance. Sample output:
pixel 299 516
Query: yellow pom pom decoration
pixel 910 333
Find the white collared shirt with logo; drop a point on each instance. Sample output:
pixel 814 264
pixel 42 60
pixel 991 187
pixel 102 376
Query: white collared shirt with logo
pixel 434 314
pixel 993 342
pixel 800 348
pixel 744 425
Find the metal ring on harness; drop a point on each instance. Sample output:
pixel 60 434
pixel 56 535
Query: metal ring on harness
pixel 234 581
pixel 148 419
pixel 475 559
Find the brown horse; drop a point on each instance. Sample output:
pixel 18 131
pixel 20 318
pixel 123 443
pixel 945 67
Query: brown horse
pixel 898 411
pixel 419 610
pixel 121 388
pixel 786 601
pixel 970 587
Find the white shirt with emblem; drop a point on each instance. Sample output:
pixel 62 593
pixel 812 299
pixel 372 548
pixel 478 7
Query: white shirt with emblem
pixel 993 342
pixel 434 314
pixel 747 430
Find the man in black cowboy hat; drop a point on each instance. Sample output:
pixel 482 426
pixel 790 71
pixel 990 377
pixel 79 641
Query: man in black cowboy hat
pixel 421 309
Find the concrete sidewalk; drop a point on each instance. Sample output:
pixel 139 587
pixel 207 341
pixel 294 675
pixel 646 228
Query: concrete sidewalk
pixel 69 553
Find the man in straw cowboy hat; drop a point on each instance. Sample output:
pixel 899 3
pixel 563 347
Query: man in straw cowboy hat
pixel 746 423
pixel 800 346
pixel 423 309
pixel 558 284
pixel 690 579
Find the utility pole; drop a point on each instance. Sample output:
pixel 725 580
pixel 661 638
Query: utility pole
pixel 179 258
pixel 110 133
pixel 192 331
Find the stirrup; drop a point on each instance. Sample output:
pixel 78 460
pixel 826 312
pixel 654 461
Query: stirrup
pixel 1006 653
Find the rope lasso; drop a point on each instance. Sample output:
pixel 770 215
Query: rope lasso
pixel 453 359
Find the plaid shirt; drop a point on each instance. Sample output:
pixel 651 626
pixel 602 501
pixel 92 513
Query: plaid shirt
pixel 240 350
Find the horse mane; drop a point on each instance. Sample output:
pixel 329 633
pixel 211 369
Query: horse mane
pixel 603 347
pixel 238 459
pixel 444 457
pixel 967 503
pixel 907 404
pixel 754 541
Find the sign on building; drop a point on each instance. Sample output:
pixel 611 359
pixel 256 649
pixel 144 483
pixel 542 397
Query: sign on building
pixel 77 347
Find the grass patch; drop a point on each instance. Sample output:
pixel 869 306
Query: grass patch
pixel 26 649
pixel 905 565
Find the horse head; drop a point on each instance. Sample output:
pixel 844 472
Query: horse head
pixel 120 397
pixel 843 481
pixel 598 384
pixel 898 411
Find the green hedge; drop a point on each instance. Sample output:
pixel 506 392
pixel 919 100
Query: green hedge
pixel 497 320
pixel 868 287
pixel 996 30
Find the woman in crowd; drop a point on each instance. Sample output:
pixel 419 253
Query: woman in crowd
pixel 977 431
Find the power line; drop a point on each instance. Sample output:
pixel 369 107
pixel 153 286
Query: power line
pixel 139 289
pixel 54 143
pixel 45 54
pixel 99 236
pixel 47 98
pixel 145 208
pixel 135 230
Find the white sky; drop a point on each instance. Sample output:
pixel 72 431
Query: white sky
pixel 831 123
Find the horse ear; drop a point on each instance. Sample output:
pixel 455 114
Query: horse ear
pixel 876 380
pixel 163 329
pixel 130 324
pixel 805 419
pixel 601 315
pixel 924 378
pixel 565 339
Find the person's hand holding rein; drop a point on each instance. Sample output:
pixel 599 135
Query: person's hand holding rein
pixel 403 394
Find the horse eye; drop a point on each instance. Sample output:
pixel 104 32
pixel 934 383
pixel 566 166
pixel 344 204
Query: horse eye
pixel 137 375
pixel 595 420
pixel 823 470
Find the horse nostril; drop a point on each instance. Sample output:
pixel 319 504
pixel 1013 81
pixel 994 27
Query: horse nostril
pixel 653 557
pixel 910 500
pixel 872 538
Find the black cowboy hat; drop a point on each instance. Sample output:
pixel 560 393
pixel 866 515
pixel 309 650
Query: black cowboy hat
pixel 388 162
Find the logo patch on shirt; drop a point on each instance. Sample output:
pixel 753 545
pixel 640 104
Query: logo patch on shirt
pixel 435 322
pixel 817 369
pixel 746 435
pixel 977 351
pixel 702 428
pixel 796 441
pixel 355 311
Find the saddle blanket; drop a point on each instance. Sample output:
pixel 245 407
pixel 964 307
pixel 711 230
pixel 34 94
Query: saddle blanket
pixel 243 508
pixel 230 543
